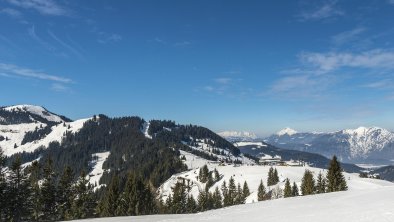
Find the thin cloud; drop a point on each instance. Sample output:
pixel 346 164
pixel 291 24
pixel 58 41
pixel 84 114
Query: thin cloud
pixel 11 12
pixel 45 7
pixel 347 36
pixel 13 70
pixel 328 10
pixel 327 62
pixel 223 81
pixel 184 43
pixel 65 45
pixel 107 38
pixel 57 87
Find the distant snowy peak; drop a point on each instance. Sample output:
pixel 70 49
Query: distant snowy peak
pixel 287 131
pixel 36 110
pixel 237 135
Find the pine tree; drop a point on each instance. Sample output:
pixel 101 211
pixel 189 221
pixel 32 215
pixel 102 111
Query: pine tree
pixel 335 179
pixel 217 199
pixel 48 192
pixel 179 198
pixel 308 183
pixel 226 198
pixel 320 184
pixel 3 187
pixel 65 194
pixel 294 190
pixel 261 192
pixel 287 191
pixel 191 205
pixel 232 191
pixel 275 177
pixel 34 178
pixel 239 197
pixel 270 178
pixel 203 199
pixel 111 198
pixel 216 174
pixel 18 193
pixel 83 204
pixel 203 174
pixel 246 191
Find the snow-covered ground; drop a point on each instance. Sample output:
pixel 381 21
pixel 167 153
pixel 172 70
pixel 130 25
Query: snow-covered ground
pixel 97 172
pixel 16 133
pixel 145 130
pixel 258 144
pixel 252 174
pixel 366 200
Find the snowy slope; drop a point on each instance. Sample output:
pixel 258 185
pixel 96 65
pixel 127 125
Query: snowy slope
pixel 97 172
pixel 366 200
pixel 252 174
pixel 15 134
pixel 37 110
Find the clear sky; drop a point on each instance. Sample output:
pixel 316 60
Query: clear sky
pixel 229 65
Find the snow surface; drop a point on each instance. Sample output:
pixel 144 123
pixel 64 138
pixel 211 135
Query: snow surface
pixel 97 172
pixel 37 110
pixel 238 134
pixel 16 133
pixel 366 200
pixel 258 144
pixel 145 130
pixel 287 131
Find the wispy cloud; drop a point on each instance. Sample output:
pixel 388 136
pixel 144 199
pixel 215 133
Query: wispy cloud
pixel 326 62
pixel 325 11
pixel 65 45
pixel 223 81
pixel 183 43
pixel 58 87
pixel 13 70
pixel 11 12
pixel 32 33
pixel 45 7
pixel 347 36
pixel 108 38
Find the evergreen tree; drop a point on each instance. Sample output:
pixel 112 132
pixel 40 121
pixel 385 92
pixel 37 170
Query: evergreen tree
pixel 287 191
pixel 320 184
pixel 335 179
pixel 270 178
pixel 179 200
pixel 191 205
pixel 18 193
pixel 84 203
pixel 275 177
pixel 3 187
pixel 216 174
pixel 48 192
pixel 203 200
pixel 34 171
pixel 239 197
pixel 308 183
pixel 203 174
pixel 65 194
pixel 261 192
pixel 245 189
pixel 226 197
pixel 294 190
pixel 111 197
pixel 232 191
pixel 217 199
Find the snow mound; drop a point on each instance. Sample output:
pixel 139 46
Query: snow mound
pixel 37 110
pixel 287 131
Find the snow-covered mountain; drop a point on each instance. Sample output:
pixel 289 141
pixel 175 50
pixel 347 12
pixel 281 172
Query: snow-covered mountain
pixel 360 145
pixel 236 136
pixel 26 128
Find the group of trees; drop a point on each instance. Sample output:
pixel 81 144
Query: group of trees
pixel 127 196
pixel 333 181
pixel 38 193
pixel 180 201
pixel 273 177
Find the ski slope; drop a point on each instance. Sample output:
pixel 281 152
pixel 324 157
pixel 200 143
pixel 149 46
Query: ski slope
pixel 16 133
pixel 366 200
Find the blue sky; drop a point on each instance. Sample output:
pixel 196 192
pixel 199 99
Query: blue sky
pixel 229 65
